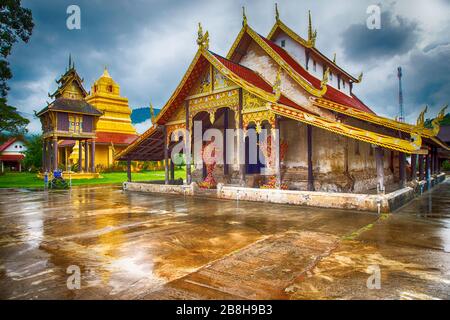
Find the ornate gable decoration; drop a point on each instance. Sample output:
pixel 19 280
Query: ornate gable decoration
pixel 70 84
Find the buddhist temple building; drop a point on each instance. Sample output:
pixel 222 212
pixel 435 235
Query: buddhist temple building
pixel 332 140
pixel 113 128
pixel 69 117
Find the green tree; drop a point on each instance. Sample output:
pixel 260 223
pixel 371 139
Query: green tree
pixel 16 24
pixel 33 155
pixel 11 121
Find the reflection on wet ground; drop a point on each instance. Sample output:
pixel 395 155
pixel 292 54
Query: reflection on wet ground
pixel 148 246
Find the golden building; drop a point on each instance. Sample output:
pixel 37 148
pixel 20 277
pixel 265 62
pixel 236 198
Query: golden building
pixel 114 130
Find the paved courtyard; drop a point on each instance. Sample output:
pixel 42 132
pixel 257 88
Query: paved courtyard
pixel 144 246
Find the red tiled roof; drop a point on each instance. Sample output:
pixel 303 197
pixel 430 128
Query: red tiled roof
pixel 115 138
pixel 9 142
pixel 331 94
pixel 252 77
pixel 12 157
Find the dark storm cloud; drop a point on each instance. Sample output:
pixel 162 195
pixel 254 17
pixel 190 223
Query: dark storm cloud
pixel 396 36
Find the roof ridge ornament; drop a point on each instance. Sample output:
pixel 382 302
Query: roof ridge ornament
pixel 324 81
pixel 312 34
pixel 277 14
pixel 436 121
pixel 334 58
pixel 202 39
pixel 360 77
pixel 420 123
pixel 244 17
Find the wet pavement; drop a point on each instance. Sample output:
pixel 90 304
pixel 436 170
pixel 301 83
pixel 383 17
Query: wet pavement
pixel 148 246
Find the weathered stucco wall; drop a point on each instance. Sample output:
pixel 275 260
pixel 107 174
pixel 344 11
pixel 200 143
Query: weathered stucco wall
pixel 259 61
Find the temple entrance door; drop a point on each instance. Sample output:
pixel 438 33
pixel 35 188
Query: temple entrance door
pixel 254 167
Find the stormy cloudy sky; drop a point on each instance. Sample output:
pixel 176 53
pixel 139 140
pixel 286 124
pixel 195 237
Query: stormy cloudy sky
pixel 147 46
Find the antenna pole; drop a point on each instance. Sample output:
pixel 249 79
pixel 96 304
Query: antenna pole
pixel 400 95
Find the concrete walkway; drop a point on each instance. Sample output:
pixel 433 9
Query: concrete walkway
pixel 152 246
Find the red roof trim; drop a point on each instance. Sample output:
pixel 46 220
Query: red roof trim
pixel 9 142
pixel 331 93
pixel 12 157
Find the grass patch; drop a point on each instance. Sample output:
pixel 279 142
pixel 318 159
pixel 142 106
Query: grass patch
pixel 30 180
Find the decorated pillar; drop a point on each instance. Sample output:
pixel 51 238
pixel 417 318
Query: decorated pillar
pixel 187 148
pixel 93 156
pixel 309 154
pixel 276 140
pixel 80 156
pixel 129 170
pixel 379 154
pixel 413 167
pixel 172 171
pixel 437 165
pixel 55 154
pixel 241 142
pixel 86 156
pixel 166 156
pixel 224 153
pixel 66 159
pixel 402 169
pixel 44 156
pixel 421 168
pixel 49 155
pixel 427 165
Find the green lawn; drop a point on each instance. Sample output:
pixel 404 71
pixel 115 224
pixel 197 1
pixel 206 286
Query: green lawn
pixel 30 180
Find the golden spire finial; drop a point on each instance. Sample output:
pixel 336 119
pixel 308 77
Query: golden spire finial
pixel 277 15
pixel 106 73
pixel 312 34
pixel 324 81
pixel 334 57
pixel 277 84
pixel 244 17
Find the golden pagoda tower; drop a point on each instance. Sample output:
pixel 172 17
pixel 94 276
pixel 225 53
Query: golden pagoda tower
pixel 114 128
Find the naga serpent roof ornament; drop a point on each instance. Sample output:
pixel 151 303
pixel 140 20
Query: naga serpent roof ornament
pixel 420 123
pixel 324 81
pixel 436 121
pixel 202 39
